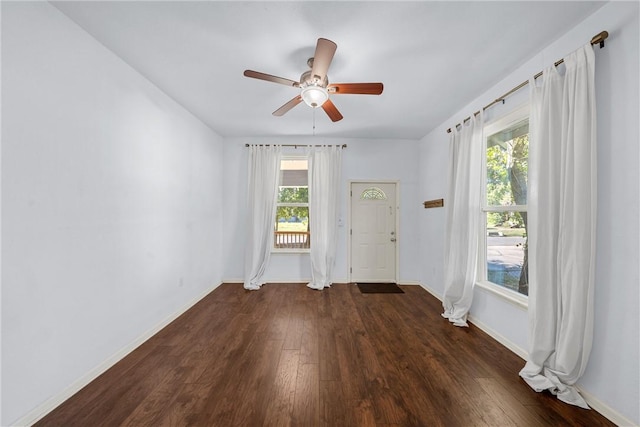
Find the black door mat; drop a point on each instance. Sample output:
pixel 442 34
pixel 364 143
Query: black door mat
pixel 379 288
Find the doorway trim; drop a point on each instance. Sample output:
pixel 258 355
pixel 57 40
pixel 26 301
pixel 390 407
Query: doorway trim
pixel 397 225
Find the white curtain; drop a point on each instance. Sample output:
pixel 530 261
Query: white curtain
pixel 562 220
pixel 262 191
pixel 325 164
pixel 462 219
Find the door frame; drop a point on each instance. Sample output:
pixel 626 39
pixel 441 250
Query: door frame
pixel 397 225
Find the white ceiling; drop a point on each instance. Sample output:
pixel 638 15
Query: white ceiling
pixel 433 57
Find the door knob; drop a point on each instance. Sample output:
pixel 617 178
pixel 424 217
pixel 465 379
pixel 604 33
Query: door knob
pixel 393 239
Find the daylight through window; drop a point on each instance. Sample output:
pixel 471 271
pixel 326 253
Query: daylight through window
pixel 506 164
pixel 292 208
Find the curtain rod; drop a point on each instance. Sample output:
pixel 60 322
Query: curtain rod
pixel 597 39
pixel 298 145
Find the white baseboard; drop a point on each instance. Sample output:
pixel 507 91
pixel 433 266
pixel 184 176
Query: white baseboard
pixel 337 280
pixel 486 329
pixel 605 410
pixel 409 282
pixel 241 281
pixel 291 281
pixel 499 337
pixel 232 281
pixel 49 405
pixel 595 403
pixel 431 291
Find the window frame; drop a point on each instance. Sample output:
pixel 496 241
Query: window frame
pixel 275 249
pixel 509 119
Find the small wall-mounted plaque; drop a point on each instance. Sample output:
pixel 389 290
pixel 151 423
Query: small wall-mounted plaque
pixel 436 203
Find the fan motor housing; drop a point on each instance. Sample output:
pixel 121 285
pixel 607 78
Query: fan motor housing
pixel 307 80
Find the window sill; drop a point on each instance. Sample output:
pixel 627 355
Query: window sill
pixel 510 296
pixel 290 251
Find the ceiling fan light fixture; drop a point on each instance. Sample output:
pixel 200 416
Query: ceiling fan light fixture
pixel 314 96
pixel 314 83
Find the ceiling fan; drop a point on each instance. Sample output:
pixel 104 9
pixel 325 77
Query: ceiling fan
pixel 314 84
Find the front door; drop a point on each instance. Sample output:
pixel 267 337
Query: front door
pixel 373 232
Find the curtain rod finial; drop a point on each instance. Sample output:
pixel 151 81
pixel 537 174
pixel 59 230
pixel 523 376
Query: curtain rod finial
pixel 600 38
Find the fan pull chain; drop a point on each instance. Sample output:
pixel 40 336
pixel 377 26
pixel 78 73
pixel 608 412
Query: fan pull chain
pixel 314 122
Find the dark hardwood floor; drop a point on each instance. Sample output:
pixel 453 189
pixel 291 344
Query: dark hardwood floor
pixel 288 355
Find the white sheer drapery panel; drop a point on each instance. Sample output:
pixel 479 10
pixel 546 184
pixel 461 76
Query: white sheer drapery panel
pixel 325 165
pixel 562 224
pixel 262 192
pixel 462 219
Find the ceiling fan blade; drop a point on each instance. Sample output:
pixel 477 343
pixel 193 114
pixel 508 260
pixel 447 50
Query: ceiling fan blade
pixel 325 49
pixel 355 88
pixel 270 78
pixel 331 111
pixel 288 106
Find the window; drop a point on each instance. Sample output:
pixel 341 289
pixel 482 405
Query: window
pixel 504 238
pixel 292 207
pixel 373 193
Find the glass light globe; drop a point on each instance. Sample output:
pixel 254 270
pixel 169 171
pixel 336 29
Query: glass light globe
pixel 314 96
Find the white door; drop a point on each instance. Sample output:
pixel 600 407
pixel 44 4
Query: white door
pixel 373 232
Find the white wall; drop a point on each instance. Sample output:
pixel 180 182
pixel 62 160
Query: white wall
pixel 612 376
pixel 362 160
pixel 110 225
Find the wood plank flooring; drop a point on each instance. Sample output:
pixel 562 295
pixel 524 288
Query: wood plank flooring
pixel 290 356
